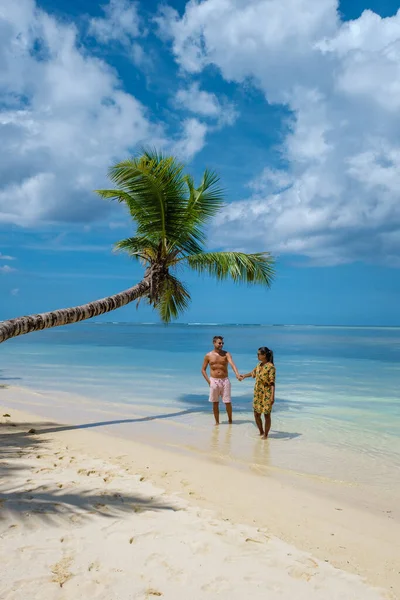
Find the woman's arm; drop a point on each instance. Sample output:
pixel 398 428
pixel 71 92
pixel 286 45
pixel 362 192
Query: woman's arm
pixel 272 375
pixel 251 374
pixel 246 376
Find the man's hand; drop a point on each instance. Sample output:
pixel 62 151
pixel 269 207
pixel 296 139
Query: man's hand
pixel 240 377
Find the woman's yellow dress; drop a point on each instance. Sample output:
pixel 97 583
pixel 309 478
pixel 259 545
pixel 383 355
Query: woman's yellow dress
pixel 263 388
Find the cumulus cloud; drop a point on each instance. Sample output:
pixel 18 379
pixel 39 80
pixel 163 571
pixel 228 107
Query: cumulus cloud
pixel 64 118
pixel 205 104
pixel 121 22
pixel 121 25
pixel 192 139
pixel 337 199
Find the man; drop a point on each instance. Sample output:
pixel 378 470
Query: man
pixel 220 386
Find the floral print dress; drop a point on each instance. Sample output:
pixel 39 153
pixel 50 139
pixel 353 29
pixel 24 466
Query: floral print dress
pixel 263 387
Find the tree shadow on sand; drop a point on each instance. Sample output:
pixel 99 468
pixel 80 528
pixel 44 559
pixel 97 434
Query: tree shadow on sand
pixel 69 500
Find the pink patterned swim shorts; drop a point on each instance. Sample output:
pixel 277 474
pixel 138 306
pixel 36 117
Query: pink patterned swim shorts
pixel 220 387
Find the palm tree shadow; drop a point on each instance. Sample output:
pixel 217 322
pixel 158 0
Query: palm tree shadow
pixel 54 428
pixel 57 502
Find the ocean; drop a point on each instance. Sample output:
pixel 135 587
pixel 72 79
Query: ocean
pixel 337 410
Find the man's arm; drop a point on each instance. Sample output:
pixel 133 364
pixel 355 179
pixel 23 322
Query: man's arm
pixel 230 361
pixel 204 369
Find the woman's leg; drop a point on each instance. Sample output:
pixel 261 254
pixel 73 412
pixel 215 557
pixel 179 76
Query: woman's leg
pixel 257 417
pixel 267 424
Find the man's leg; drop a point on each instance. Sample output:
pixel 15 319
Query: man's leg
pixel 216 412
pixel 214 398
pixel 227 397
pixel 228 407
pixel 259 424
pixel 267 424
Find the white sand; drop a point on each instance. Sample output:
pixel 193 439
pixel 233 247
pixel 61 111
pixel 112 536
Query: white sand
pixel 76 524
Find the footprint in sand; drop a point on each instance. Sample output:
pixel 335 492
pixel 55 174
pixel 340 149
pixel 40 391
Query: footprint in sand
pixel 75 519
pixel 152 592
pixel 87 472
pixel 94 566
pixel 61 571
pixel 217 585
pixel 304 569
pixel 200 548
pixel 101 507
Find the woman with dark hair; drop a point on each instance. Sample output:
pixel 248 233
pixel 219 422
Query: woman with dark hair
pixel 264 389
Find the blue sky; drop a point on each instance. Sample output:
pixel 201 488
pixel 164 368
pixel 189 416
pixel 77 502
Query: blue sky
pixel 294 103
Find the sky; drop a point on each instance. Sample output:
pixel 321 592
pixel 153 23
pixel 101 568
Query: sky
pixel 293 102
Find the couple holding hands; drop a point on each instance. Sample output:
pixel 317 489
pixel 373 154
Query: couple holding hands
pixel 220 386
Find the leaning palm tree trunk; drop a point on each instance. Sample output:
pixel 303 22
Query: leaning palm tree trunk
pixel 65 316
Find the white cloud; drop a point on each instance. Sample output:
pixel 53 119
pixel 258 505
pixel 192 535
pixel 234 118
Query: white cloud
pixel 121 23
pixel 206 104
pixel 14 292
pixel 192 140
pixel 6 269
pixel 337 201
pixel 6 257
pixel 64 120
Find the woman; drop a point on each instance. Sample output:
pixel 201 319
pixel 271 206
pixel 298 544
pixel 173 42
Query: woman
pixel 264 389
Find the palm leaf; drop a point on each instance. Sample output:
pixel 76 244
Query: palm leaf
pixel 156 193
pixel 255 268
pixel 138 247
pixel 174 299
pixel 206 200
pixel 203 204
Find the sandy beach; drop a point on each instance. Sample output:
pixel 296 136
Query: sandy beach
pixel 87 514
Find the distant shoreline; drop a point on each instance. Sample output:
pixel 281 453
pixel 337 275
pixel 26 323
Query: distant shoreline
pixel 289 325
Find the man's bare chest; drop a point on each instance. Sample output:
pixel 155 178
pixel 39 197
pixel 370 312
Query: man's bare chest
pixel 216 360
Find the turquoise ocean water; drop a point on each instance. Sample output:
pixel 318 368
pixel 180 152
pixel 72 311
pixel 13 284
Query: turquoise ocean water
pixel 337 411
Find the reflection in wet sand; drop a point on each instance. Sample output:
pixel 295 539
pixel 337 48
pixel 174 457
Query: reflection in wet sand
pixel 261 456
pixel 221 444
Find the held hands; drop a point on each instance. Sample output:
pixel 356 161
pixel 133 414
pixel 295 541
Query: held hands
pixel 240 377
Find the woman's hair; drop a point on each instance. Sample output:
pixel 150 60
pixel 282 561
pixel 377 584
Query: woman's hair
pixel 268 353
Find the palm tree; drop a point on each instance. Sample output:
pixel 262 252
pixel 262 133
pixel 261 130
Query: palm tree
pixel 170 215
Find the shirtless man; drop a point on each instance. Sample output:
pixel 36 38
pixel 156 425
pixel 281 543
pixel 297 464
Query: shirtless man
pixel 218 360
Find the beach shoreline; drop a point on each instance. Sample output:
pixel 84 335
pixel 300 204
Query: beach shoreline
pixel 315 517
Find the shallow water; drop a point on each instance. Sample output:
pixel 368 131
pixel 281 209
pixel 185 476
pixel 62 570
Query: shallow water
pixel 337 410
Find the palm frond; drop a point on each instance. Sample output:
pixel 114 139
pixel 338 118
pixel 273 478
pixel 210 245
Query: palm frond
pixel 174 299
pixel 165 203
pixel 118 195
pixel 255 268
pixel 202 204
pixel 139 247
pixel 155 193
pixel 206 200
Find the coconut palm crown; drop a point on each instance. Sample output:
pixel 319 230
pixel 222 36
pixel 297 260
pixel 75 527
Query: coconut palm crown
pixel 170 214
